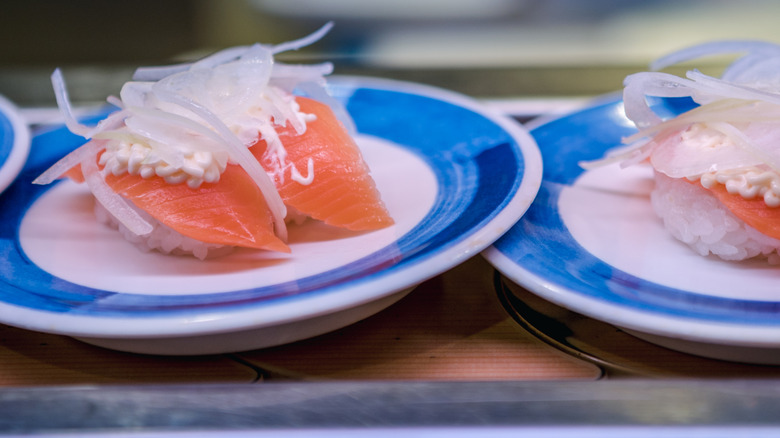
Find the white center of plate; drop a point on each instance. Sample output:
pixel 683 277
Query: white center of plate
pixel 60 234
pixel 608 213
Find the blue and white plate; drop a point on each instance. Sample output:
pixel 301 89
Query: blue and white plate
pixel 590 242
pixel 453 175
pixel 14 143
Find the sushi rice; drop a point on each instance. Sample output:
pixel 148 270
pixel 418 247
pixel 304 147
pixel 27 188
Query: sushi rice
pixel 694 216
pixel 162 238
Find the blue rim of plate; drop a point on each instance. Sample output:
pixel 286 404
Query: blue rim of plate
pixel 541 255
pixel 14 143
pixel 488 170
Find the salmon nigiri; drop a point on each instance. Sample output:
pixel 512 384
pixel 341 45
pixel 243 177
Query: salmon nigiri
pixel 216 153
pixel 716 166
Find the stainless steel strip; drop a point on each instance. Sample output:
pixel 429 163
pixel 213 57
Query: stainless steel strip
pixel 376 405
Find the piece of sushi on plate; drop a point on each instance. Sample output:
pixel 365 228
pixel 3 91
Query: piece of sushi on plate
pixel 222 153
pixel 716 166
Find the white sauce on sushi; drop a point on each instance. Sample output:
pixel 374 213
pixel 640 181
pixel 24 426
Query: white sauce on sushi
pixel 196 167
pixel 747 181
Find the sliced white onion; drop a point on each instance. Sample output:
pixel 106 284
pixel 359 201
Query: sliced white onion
pixel 155 73
pixel 252 72
pixel 713 48
pixel 58 169
pixel 739 137
pixel 703 88
pixel 741 111
pixel 284 105
pixel 625 155
pixel 218 58
pixel 640 85
pixel 303 42
pixel 726 110
pixel 63 102
pixel 238 152
pixel 716 89
pixel 169 128
pixel 752 69
pixel 679 159
pixel 320 94
pixel 64 164
pixel 117 102
pixel 114 121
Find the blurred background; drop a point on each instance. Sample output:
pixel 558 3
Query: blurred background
pixel 484 48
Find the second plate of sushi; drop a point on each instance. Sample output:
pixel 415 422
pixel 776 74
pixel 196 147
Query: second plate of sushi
pixel 14 142
pixel 606 237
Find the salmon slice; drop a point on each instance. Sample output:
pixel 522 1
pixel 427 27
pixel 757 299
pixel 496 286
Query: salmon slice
pixel 75 174
pixel 342 193
pixel 753 212
pixel 230 212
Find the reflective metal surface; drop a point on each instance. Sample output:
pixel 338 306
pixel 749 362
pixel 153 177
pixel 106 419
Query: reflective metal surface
pixel 617 353
pixel 367 406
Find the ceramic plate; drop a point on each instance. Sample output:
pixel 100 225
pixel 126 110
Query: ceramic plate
pixel 453 176
pixel 14 143
pixel 591 242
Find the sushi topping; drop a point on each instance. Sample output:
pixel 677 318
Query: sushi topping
pixel 732 137
pixel 746 182
pixel 187 122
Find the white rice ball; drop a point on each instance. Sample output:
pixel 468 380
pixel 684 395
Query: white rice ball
pixel 694 216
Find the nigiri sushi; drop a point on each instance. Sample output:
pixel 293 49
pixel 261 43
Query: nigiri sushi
pixel 223 153
pixel 716 166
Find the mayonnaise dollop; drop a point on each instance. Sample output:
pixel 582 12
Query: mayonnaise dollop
pixel 746 181
pixel 195 168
